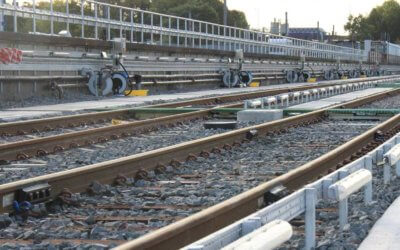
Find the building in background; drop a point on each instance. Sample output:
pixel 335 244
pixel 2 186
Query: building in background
pixel 275 27
pixel 313 34
pixel 285 26
pixel 278 28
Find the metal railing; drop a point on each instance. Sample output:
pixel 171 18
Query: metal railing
pixel 105 21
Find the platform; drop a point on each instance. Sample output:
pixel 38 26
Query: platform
pixel 114 102
pixel 337 99
pixel 385 234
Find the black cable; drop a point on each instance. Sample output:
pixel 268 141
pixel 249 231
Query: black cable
pixel 129 80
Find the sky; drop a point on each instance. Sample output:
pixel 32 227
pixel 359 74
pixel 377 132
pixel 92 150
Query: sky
pixel 303 13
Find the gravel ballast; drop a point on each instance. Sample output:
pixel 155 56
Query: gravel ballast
pixel 181 191
pixel 110 150
pixel 392 102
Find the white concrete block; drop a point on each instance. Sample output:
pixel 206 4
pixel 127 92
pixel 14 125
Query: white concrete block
pixel 259 115
pixel 349 185
pixel 270 236
pixel 393 156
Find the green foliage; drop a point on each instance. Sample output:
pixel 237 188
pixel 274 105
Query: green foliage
pixel 382 23
pixel 190 8
pixel 237 19
pixel 204 10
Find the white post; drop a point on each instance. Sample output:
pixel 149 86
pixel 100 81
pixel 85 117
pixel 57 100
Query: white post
pixel 326 183
pixel 368 188
pixel 386 173
pixel 343 211
pixel 250 225
pixel 379 156
pixel 311 196
pixel 386 166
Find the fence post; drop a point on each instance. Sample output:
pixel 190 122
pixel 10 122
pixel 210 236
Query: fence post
pixel 310 200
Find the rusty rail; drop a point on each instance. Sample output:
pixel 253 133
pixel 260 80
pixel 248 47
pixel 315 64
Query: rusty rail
pixel 77 180
pixel 52 144
pixel 47 124
pixel 42 146
pixel 210 220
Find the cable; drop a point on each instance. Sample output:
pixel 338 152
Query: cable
pixel 127 93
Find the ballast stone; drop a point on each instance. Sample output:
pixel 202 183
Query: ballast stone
pixel 259 115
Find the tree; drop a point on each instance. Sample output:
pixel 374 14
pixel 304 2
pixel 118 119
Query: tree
pixel 237 19
pixel 358 27
pixel 382 23
pixel 137 4
pixel 204 10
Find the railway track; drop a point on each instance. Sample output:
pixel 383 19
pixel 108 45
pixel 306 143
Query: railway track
pixel 113 149
pixel 210 220
pixel 22 150
pixel 48 124
pixel 195 190
pixel 165 161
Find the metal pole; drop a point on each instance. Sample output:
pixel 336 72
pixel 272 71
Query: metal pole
pixel 51 18
pixel 2 22
pixel 109 25
pixel 82 17
pixel 225 13
pixel 96 17
pixel 34 16
pixel 67 11
pixel 15 19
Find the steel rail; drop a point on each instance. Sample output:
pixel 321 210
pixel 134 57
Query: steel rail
pixel 78 179
pixel 21 150
pixel 42 146
pixel 23 127
pixel 197 226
